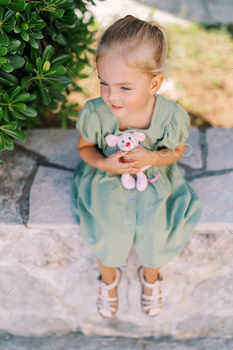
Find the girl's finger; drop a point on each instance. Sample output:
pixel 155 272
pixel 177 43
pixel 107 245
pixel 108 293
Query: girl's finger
pixel 119 154
pixel 127 166
pixel 134 171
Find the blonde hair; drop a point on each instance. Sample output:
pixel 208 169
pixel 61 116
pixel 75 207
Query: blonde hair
pixel 144 45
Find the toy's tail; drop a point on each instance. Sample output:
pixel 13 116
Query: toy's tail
pixel 154 179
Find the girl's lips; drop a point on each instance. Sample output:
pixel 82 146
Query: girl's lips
pixel 116 107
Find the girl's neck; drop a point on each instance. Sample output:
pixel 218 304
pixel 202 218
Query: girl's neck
pixel 142 120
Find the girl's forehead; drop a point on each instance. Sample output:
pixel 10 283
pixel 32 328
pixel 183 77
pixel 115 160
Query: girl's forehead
pixel 113 68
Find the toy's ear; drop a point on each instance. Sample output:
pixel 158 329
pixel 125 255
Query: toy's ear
pixel 111 140
pixel 139 135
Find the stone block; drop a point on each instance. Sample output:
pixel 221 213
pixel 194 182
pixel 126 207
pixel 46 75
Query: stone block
pixel 192 155
pixel 219 143
pixel 50 197
pixel 215 191
pixel 57 145
pixel 15 176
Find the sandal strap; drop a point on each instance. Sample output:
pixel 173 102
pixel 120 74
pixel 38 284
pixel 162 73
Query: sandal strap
pixel 153 301
pixel 105 302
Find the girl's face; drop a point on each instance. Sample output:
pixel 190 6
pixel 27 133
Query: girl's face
pixel 125 90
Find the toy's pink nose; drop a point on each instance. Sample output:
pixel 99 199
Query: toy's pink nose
pixel 128 144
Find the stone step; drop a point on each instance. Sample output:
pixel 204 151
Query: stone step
pixel 49 277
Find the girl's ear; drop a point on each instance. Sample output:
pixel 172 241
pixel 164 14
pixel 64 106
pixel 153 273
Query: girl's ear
pixel 111 140
pixel 139 135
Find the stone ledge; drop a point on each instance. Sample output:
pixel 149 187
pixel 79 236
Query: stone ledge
pixel 43 258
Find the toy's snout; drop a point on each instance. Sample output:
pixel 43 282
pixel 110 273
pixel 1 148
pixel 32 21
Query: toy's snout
pixel 128 144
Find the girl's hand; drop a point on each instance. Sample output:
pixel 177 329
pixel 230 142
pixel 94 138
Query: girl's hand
pixel 114 164
pixel 139 154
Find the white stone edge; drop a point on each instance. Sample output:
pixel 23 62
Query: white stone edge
pixel 200 228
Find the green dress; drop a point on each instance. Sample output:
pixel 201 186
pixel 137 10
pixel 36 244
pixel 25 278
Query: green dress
pixel 157 221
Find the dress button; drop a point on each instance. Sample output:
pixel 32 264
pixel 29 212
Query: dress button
pixel 130 227
pixel 131 202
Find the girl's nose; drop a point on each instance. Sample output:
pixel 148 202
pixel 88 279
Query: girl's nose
pixel 112 95
pixel 128 144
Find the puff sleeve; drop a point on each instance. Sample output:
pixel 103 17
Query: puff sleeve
pixel 176 131
pixel 88 123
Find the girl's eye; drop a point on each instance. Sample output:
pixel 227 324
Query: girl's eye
pixel 104 84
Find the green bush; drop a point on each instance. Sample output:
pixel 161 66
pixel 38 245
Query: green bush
pixel 43 48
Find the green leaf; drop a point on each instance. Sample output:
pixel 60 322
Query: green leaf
pixel 14 45
pixel 17 28
pixel 56 85
pixel 15 92
pixel 60 60
pixel 3 51
pixel 8 79
pixel 26 82
pixel 24 26
pixel 37 35
pixel 74 113
pixel 6 97
pixel 61 79
pixel 24 97
pixel 4 2
pixel 57 70
pixel 29 112
pixel 56 12
pixel 4 40
pixel 19 115
pixel 24 35
pixel 16 61
pixel 34 54
pixel 39 64
pixel 1 114
pixel 33 43
pixel 20 106
pixel 6 115
pixel 17 5
pixel 17 134
pixel 9 25
pixel 3 60
pixel 2 11
pixel 44 96
pixel 2 143
pixel 7 138
pixel 48 53
pixel 11 126
pixel 61 40
pixel 6 67
pixel 21 97
pixel 46 67
pixel 30 68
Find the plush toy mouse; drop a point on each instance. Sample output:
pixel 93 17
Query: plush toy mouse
pixel 127 142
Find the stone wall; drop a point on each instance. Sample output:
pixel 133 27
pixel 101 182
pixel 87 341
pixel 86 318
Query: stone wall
pixel 49 277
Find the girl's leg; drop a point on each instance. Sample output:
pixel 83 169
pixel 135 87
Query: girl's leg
pixel 108 276
pixel 150 275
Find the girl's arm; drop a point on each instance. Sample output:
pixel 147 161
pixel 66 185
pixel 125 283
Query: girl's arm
pixel 90 153
pixel 149 157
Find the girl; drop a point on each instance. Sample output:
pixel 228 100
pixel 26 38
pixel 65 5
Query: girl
pixel 159 220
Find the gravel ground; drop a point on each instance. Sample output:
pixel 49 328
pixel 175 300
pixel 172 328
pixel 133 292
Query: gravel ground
pixel 78 341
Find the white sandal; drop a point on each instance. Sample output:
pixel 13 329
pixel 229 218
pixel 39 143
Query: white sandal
pixel 151 304
pixel 104 304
